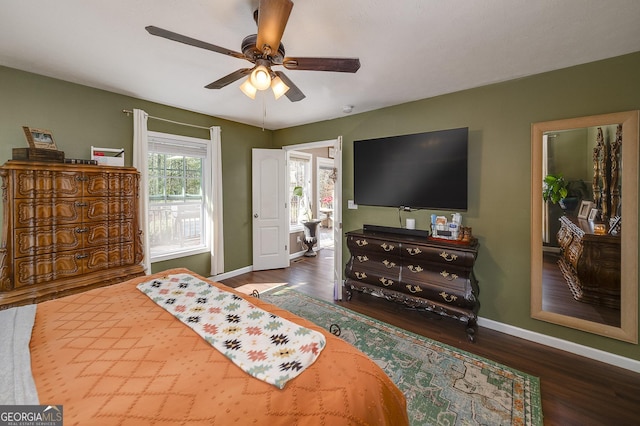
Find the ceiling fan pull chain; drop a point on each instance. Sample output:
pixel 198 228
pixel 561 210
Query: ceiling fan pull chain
pixel 264 109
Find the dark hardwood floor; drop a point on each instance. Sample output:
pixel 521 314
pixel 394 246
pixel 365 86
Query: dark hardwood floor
pixel 575 390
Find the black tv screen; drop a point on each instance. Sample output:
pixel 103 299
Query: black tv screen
pixel 423 170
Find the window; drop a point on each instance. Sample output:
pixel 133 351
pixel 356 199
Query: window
pixel 299 175
pixel 178 221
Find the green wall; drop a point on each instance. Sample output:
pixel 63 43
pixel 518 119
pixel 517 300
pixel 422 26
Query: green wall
pixel 499 118
pixel 79 117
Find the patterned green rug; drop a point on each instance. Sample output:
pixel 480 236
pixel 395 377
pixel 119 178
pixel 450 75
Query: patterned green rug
pixel 443 385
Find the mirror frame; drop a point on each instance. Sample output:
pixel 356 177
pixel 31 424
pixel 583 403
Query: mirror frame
pixel 628 330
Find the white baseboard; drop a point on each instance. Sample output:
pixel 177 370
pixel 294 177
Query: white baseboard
pixel 232 274
pixel 554 342
pixel 249 268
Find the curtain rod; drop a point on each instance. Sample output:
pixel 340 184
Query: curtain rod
pixel 129 112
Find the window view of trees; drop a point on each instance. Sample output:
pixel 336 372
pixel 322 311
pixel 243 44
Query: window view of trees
pixel 299 176
pixel 175 202
pixel 325 187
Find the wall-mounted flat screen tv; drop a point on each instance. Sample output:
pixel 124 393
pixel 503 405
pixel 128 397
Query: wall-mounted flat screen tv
pixel 424 170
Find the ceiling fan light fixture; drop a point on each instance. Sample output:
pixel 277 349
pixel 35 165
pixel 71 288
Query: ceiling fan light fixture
pixel 260 78
pixel 278 87
pixel 248 88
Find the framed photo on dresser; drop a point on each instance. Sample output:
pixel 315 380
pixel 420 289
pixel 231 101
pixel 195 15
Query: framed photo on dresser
pixel 39 138
pixel 585 209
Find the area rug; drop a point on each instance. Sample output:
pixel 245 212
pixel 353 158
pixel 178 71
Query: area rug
pixel 443 385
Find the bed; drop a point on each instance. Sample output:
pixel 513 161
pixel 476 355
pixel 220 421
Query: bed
pixel 112 356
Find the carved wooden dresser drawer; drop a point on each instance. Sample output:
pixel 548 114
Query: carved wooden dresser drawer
pixel 417 271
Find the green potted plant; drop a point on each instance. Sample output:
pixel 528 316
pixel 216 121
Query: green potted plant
pixel 567 194
pixel 554 188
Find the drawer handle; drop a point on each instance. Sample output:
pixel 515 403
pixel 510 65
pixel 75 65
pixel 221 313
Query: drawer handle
pixel 448 297
pixel 415 269
pixel 82 230
pixel 361 275
pixel 388 264
pixel 362 258
pixel 414 251
pixel 81 256
pixel 386 282
pixel 82 178
pixel 414 288
pixel 448 257
pixel 448 276
pixel 81 204
pixel 361 243
pixel 387 247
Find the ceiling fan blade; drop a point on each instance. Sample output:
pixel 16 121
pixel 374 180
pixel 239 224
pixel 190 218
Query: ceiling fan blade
pixel 294 94
pixel 191 41
pixel 322 64
pixel 272 18
pixel 228 79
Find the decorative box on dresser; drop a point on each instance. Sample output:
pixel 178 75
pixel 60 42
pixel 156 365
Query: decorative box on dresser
pixel 66 229
pixel 419 272
pixel 590 263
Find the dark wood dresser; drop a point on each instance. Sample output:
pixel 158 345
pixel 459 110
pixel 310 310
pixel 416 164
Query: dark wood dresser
pixel 590 263
pixel 419 272
pixel 66 229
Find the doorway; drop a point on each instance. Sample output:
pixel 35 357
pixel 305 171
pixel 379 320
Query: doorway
pixel 323 183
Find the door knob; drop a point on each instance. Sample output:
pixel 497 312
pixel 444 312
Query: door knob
pixel 255 215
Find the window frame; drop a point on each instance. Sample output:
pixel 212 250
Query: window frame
pixel 298 155
pixel 207 224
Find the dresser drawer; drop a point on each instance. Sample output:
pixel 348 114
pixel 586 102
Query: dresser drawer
pixel 47 184
pixel 374 246
pixel 32 270
pixel 377 275
pixel 31 212
pixel 434 254
pixel 445 287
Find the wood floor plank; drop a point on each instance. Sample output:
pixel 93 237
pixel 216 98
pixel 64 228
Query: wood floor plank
pixel 575 390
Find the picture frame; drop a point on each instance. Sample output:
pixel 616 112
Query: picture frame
pixel 39 138
pixel 615 225
pixel 585 209
pixel 593 214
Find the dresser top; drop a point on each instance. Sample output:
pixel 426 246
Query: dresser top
pixel 45 165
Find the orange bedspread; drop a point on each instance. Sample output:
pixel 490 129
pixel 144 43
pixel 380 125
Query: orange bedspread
pixel 111 356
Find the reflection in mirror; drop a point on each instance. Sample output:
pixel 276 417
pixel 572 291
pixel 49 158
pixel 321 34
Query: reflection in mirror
pixel 584 224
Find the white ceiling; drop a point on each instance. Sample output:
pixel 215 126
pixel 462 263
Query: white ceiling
pixel 409 49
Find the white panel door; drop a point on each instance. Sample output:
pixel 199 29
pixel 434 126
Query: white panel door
pixel 270 209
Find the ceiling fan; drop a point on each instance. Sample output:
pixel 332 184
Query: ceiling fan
pixel 264 50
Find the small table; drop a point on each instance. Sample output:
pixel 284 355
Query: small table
pixel 326 221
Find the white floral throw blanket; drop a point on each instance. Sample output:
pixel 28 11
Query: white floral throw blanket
pixel 264 345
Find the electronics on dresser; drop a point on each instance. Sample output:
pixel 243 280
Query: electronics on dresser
pixel 424 170
pixel 393 230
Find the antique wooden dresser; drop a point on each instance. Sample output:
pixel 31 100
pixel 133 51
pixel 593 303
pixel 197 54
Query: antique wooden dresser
pixel 66 229
pixel 590 263
pixel 432 274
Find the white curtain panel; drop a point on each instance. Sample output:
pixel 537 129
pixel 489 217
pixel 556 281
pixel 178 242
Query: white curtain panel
pixel 140 162
pixel 217 236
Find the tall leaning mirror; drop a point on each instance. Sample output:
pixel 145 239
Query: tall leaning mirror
pixel 584 224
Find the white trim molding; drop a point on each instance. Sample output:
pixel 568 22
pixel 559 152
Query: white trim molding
pixel 554 342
